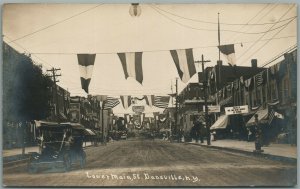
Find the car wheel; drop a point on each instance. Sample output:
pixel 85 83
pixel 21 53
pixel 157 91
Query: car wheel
pixel 67 162
pixel 83 160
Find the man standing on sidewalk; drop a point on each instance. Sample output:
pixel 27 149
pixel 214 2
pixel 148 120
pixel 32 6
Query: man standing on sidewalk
pixel 258 136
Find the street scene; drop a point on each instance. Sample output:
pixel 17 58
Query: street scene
pixel 124 95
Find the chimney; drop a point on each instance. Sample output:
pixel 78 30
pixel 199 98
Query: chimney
pixel 254 63
pixel 219 63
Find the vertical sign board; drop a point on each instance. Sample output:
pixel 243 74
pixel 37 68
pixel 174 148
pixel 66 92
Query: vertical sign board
pixel 74 112
pixel 236 110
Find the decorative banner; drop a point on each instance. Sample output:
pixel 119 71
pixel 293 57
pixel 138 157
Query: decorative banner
pixel 149 100
pixel 132 65
pixel 161 101
pixel 126 101
pixel 138 109
pixel 137 121
pixel 236 110
pixel 110 102
pixel 86 65
pixel 229 53
pixel 184 62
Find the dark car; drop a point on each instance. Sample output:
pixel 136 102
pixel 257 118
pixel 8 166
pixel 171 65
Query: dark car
pixel 61 147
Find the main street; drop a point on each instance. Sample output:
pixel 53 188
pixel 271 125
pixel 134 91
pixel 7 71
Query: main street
pixel 160 163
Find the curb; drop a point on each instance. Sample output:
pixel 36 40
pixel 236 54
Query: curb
pixel 262 155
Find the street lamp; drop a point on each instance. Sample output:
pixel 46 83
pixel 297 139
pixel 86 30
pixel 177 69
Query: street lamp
pixel 135 10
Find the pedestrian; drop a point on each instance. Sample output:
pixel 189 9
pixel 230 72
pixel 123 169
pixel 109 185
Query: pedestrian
pixel 258 136
pixel 199 130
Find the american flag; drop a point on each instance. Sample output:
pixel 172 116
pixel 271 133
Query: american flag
pixel 259 79
pixel 271 116
pixel 161 101
pixel 110 102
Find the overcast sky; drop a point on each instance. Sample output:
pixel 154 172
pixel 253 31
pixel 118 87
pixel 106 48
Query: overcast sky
pixel 107 29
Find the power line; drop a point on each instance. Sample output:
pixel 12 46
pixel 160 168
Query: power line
pixel 265 43
pixel 54 24
pixel 158 50
pixel 266 33
pixel 205 29
pixel 278 56
pixel 223 23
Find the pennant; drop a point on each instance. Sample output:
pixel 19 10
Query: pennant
pixel 184 62
pixel 149 100
pixel 229 53
pixel 126 101
pixel 110 102
pixel 132 65
pixel 161 101
pixel 86 65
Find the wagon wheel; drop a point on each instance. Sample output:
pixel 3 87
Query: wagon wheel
pixel 67 162
pixel 83 160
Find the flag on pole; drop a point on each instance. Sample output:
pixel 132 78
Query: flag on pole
pixel 184 62
pixel 126 101
pixel 149 100
pixel 86 65
pixel 161 101
pixel 110 102
pixel 132 65
pixel 229 53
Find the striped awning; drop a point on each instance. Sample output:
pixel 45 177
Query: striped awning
pixel 262 117
pixel 221 123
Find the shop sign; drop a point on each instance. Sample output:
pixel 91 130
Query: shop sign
pixel 236 110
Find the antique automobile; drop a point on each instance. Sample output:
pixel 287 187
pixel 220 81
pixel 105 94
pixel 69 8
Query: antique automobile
pixel 60 147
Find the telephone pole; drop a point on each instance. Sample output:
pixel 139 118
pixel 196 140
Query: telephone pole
pixel 54 78
pixel 205 97
pixel 176 109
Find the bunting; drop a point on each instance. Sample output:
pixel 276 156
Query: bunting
pixel 161 101
pixel 110 102
pixel 86 65
pixel 149 100
pixel 126 101
pixel 132 65
pixel 229 53
pixel 259 79
pixel 184 62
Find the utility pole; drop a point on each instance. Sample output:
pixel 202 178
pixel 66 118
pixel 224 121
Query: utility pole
pixel 54 78
pixel 205 97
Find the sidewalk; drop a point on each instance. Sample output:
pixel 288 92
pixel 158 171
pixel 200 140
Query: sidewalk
pixel 275 150
pixel 18 151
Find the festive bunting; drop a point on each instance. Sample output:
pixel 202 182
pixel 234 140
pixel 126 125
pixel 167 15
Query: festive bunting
pixel 110 102
pixel 259 79
pixel 86 64
pixel 161 101
pixel 149 100
pixel 229 53
pixel 184 62
pixel 132 65
pixel 126 101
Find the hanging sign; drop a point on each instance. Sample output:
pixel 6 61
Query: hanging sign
pixel 138 109
pixel 212 108
pixel 236 110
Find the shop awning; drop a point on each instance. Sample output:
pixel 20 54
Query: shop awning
pixel 89 132
pixel 221 123
pixel 262 117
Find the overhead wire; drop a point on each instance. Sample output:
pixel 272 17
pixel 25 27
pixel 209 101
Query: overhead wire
pixel 54 24
pixel 266 43
pixel 266 33
pixel 223 23
pixel 225 30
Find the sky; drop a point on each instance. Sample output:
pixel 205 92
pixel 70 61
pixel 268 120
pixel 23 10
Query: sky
pixel 54 33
